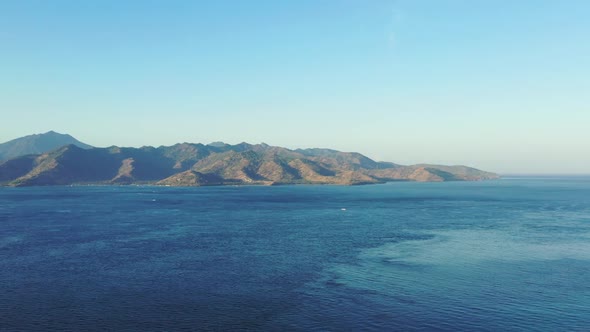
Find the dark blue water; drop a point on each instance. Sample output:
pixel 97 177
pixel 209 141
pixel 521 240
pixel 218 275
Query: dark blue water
pixel 504 255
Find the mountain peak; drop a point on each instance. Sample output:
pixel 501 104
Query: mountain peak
pixel 37 144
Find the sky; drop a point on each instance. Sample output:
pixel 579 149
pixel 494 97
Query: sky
pixel 499 85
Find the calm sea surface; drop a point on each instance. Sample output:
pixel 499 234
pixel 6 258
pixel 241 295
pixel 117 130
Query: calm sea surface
pixel 506 255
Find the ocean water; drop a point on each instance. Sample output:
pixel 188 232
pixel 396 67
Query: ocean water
pixel 505 255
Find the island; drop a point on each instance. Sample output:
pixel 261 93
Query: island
pixel 188 164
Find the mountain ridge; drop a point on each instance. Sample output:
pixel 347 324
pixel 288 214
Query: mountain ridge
pixel 196 164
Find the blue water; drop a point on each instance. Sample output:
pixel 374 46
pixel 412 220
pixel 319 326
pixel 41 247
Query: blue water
pixel 506 255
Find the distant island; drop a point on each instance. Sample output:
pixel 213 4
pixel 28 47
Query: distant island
pixel 68 161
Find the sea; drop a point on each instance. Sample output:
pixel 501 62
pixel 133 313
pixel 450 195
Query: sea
pixel 504 255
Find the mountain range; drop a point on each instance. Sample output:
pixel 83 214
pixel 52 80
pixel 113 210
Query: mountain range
pixel 188 164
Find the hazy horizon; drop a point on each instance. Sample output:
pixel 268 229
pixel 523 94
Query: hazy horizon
pixel 504 174
pixel 498 86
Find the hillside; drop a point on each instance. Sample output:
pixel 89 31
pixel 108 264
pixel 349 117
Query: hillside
pixel 189 164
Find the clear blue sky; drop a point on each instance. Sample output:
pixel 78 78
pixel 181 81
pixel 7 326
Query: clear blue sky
pixel 499 85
